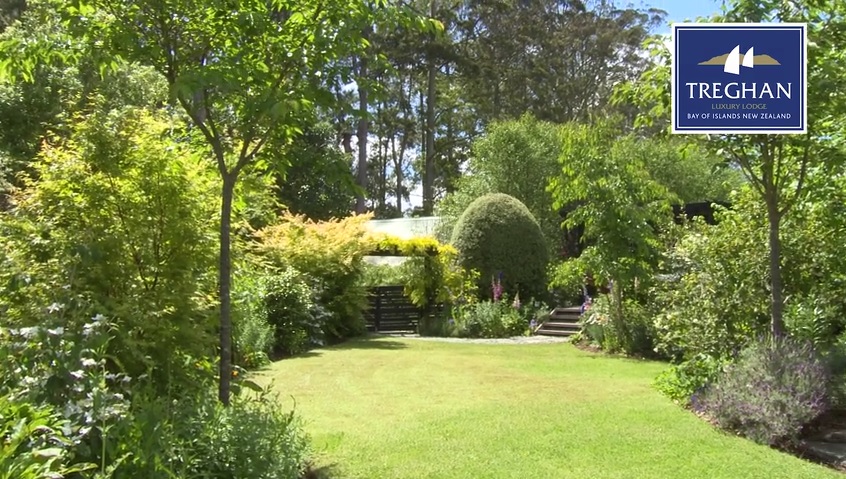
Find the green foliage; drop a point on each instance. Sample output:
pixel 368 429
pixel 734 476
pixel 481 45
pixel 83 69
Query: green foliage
pixel 681 381
pixel 272 63
pixel 605 178
pixel 315 179
pixel 690 172
pixel 599 328
pixel 331 254
pixel 382 275
pixel 715 302
pixel 294 311
pixel 58 90
pixel 119 221
pixel 253 335
pixel 120 426
pixel 517 158
pixel 605 181
pixel 490 319
pixel 774 388
pixel 197 437
pixel 498 237
pixel 430 273
pixel 34 444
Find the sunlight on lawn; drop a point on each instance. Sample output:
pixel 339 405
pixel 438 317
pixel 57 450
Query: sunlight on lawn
pixel 393 408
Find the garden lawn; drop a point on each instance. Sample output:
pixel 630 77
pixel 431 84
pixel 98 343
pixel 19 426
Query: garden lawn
pixel 406 408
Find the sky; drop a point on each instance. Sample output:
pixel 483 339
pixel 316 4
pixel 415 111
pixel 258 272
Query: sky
pixel 680 10
pixel 677 11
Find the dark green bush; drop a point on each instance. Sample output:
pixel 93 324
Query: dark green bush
pixel 720 299
pixel 294 311
pixel 774 388
pixel 253 336
pixel 498 237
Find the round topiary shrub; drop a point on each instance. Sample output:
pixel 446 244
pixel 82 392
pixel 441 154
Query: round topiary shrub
pixel 498 236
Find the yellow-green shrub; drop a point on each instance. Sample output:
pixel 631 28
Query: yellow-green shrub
pixel 329 252
pixel 117 220
pixel 431 274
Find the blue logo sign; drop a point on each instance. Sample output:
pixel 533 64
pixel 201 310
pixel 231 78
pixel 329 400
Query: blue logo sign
pixel 731 78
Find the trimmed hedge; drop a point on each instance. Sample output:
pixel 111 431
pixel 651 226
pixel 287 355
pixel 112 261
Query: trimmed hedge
pixel 497 235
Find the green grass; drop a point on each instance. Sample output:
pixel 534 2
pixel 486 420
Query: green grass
pixel 392 408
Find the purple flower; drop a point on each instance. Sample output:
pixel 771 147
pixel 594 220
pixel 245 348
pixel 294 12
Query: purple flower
pixel 496 287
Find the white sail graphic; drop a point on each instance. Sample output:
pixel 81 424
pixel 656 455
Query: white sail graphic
pixel 749 58
pixel 733 64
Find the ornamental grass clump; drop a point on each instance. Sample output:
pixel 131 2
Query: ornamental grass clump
pixel 774 388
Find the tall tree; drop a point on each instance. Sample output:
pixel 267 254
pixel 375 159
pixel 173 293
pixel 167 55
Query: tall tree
pixel 556 59
pixel 242 75
pixel 363 121
pixel 775 165
pixel 431 90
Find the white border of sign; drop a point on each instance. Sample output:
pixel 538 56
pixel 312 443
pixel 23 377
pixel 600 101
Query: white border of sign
pixel 736 130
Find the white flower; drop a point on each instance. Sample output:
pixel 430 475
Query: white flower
pixel 57 331
pixel 28 332
pixel 54 307
pixel 78 374
pixel 88 362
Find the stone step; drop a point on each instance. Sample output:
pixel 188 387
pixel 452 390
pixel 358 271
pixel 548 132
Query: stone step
pixel 562 325
pixel 554 332
pixel 838 436
pixel 565 317
pixel 833 453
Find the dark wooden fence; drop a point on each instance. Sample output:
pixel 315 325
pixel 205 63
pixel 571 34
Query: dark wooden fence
pixel 391 311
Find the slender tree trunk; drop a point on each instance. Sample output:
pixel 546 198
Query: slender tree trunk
pixel 383 174
pixel 429 171
pixel 422 109
pixel 224 285
pixel 776 294
pixel 619 315
pixel 398 162
pixel 360 205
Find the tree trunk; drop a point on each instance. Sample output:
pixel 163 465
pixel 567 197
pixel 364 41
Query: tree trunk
pixel 429 171
pixel 224 285
pixel 360 206
pixel 776 299
pixel 398 161
pixel 619 314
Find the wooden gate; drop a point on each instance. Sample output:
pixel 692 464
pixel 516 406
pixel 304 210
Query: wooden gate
pixel 391 311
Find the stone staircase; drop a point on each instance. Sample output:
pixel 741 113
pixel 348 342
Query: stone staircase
pixel 561 322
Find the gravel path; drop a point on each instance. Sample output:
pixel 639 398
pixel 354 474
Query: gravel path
pixel 514 340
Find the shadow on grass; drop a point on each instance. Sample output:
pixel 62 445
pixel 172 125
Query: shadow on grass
pixel 323 472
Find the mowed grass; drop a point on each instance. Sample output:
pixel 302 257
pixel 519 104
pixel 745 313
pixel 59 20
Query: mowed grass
pixel 405 408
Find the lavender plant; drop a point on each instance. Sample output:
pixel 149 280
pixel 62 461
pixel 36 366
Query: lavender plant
pixel 774 388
